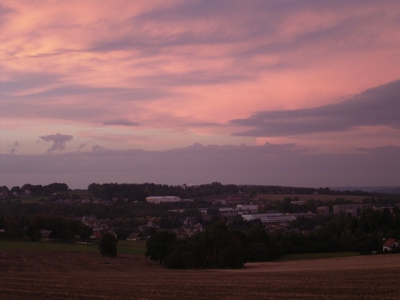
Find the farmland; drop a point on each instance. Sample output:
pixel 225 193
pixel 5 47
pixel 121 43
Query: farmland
pixel 37 274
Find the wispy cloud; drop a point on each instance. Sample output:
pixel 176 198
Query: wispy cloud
pixel 121 122
pixel 97 147
pixel 59 141
pixel 81 146
pixel 14 148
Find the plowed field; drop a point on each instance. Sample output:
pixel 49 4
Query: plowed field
pixel 28 274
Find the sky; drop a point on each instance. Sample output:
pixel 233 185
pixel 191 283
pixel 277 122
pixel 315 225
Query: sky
pixel 300 93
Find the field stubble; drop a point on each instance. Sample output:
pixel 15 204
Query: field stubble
pixel 67 275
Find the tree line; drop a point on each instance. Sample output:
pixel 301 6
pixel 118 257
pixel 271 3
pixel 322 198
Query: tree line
pixel 231 245
pixel 61 228
pixel 216 247
pixel 139 192
pixel 35 190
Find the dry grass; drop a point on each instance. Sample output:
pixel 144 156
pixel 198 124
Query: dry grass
pixel 27 274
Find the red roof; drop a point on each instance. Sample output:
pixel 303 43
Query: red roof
pixel 389 242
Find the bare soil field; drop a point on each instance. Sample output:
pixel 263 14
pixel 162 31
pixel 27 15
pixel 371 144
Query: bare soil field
pixel 29 274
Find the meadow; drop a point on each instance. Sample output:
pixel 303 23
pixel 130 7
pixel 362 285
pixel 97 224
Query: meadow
pixel 123 247
pixel 306 197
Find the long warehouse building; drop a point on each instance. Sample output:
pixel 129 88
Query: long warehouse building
pixel 159 199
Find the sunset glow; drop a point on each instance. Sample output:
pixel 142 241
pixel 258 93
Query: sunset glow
pixel 114 90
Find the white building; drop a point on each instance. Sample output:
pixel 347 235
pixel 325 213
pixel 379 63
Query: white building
pixel 224 211
pixel 323 211
pixel 270 217
pixel 298 202
pixel 159 199
pixel 228 211
pixel 247 208
pixel 353 209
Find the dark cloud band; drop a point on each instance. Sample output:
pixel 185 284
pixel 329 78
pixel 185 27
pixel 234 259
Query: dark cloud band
pixel 379 106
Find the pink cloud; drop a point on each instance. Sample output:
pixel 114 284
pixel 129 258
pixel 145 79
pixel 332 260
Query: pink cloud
pixel 184 69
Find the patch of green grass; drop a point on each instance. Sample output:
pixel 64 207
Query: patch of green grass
pixel 123 247
pixel 80 193
pixel 47 246
pixel 305 197
pixel 318 255
pixel 131 247
pixel 27 199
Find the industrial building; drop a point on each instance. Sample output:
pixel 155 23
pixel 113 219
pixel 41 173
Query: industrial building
pixel 159 199
pixel 270 217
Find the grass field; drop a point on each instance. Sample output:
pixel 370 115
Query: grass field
pixel 302 197
pixel 139 247
pixel 318 255
pixel 80 193
pixel 26 199
pixel 123 247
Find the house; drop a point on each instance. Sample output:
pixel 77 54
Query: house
pixel 89 220
pixel 390 244
pixel 112 233
pixel 97 234
pixel 135 236
pixel 45 235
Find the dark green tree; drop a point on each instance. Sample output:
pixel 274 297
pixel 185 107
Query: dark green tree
pixel 84 234
pixel 223 249
pixel 257 252
pixel 232 255
pixel 1 221
pixel 108 245
pixel 159 246
pixel 12 228
pixel 175 258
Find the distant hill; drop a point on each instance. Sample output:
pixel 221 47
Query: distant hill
pixel 370 189
pixel 395 190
